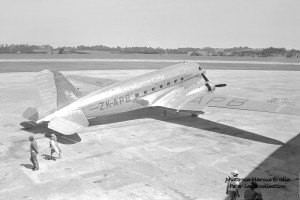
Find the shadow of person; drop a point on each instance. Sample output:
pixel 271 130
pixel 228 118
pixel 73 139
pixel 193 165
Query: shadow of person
pixel 28 166
pixel 48 157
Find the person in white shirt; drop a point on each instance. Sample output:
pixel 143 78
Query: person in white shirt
pixel 54 146
pixel 232 185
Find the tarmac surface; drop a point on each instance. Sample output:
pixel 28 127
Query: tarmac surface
pixel 145 155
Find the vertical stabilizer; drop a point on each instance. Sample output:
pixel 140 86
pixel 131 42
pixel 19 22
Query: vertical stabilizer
pixel 55 90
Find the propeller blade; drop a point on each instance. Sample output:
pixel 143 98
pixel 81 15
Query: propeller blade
pixel 208 87
pixel 220 85
pixel 205 78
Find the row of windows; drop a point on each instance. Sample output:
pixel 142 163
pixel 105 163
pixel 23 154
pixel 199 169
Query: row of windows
pixel 160 86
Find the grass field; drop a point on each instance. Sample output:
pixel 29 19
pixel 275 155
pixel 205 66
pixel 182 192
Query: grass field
pixel 107 61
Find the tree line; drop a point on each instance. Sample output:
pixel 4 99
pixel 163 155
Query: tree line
pixel 235 51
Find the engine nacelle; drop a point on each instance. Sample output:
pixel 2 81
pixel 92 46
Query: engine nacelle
pixel 203 88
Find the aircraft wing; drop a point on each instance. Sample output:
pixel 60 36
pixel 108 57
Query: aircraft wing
pixel 201 102
pixel 100 82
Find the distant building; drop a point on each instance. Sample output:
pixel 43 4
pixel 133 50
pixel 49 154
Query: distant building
pixel 42 51
pixel 228 53
pixel 55 51
pixel 203 53
pixel 198 53
pixel 218 51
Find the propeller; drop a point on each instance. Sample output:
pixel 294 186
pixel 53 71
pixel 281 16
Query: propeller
pixel 220 85
pixel 205 78
pixel 209 87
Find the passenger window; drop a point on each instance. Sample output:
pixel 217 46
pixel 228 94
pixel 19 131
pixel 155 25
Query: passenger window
pixel 145 92
pixel 168 83
pixel 182 78
pixel 161 86
pixel 137 95
pixel 153 89
pixel 175 81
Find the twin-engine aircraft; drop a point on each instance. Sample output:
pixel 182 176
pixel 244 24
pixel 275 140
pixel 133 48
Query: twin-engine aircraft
pixel 182 87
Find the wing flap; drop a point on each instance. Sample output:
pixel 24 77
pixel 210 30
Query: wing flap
pixel 71 123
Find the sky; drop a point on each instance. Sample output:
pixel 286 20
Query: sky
pixel 155 23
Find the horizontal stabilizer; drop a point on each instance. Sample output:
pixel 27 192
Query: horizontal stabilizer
pixel 28 124
pixel 71 123
pixel 100 82
pixel 31 113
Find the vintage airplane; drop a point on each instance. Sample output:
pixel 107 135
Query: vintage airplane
pixel 183 87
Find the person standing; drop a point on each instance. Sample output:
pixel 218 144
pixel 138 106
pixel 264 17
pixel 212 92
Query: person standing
pixel 251 194
pixel 54 146
pixel 33 153
pixel 232 185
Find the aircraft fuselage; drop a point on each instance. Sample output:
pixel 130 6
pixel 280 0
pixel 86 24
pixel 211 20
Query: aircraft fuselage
pixel 135 93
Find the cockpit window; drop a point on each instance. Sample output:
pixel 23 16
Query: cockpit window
pixel 199 68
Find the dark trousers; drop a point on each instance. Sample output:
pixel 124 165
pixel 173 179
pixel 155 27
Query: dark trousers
pixel 33 159
pixel 232 195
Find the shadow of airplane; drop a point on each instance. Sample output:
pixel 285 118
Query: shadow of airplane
pixel 282 163
pixel 184 119
pixel 156 113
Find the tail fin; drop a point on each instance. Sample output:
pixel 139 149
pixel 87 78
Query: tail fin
pixel 55 90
